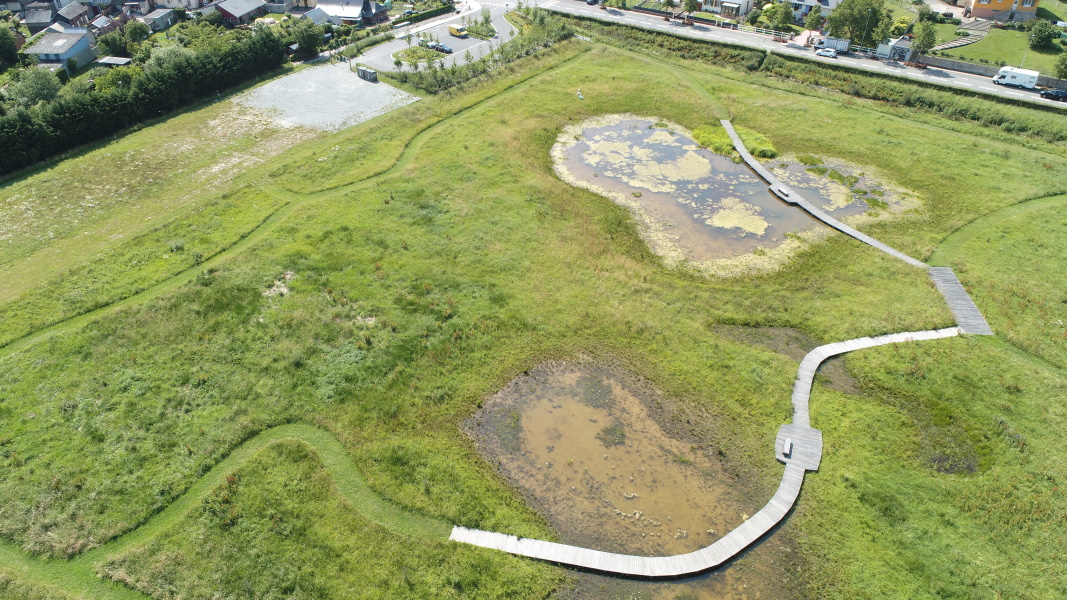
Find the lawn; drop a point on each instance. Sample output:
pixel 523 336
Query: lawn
pixel 945 32
pixel 307 442
pixel 1052 10
pixel 1008 46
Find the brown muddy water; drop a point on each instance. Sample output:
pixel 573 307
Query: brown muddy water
pixel 587 449
pixel 712 207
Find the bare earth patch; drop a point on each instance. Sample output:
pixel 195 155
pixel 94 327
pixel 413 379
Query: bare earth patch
pixel 328 97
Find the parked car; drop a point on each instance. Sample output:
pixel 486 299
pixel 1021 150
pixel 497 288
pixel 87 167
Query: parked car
pixel 444 48
pixel 591 2
pixel 407 13
pixel 1060 95
pixel 827 52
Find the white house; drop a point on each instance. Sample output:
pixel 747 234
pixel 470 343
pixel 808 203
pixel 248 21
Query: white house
pixel 57 49
pixel 729 9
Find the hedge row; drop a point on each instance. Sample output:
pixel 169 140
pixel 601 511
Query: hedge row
pixel 73 119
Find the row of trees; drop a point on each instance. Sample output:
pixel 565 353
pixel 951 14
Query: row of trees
pixel 39 118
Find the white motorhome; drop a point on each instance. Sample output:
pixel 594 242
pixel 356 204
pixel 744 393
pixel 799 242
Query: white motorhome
pixel 1013 77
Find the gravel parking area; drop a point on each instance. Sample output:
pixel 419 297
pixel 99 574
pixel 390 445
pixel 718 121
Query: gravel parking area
pixel 328 97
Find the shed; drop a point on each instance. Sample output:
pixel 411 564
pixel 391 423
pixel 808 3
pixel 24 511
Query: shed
pixel 113 61
pixel 160 19
pixel 237 12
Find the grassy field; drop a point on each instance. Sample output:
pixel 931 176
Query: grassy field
pixel 371 287
pixel 1008 46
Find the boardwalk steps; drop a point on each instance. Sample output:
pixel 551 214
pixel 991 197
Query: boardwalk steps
pixel 797 444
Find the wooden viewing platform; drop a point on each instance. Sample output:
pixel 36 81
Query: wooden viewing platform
pixel 797 444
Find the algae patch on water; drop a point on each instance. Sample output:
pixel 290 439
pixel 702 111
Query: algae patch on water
pixel 699 208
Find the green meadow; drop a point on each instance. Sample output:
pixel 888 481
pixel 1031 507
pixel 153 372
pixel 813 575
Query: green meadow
pixel 247 382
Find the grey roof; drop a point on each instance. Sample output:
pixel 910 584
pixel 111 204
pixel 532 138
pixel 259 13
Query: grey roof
pixel 240 8
pixel 158 13
pixel 318 16
pixel 73 11
pixel 39 16
pixel 40 6
pixel 14 7
pixel 115 61
pixel 54 43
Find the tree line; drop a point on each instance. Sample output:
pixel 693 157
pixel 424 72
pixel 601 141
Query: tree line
pixel 40 118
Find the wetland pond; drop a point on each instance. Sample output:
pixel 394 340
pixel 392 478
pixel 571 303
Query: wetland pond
pixel 590 451
pixel 699 206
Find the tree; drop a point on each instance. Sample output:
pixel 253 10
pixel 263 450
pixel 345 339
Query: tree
pixel 754 16
pixel 136 32
pixel 112 44
pixel 783 15
pixel 34 86
pixel 398 63
pixel 858 20
pixel 690 6
pixel 669 5
pixel 1061 66
pixel 925 37
pixel 1043 34
pixel 8 52
pixel 308 36
pixel 814 20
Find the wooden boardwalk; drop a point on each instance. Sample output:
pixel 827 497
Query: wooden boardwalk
pixel 959 301
pixel 797 444
pixel 788 195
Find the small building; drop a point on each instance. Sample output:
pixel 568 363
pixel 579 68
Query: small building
pixel 186 4
pixel 801 8
pixel 59 48
pixel 101 25
pixel 38 20
pixel 14 7
pixel 238 12
pixel 159 19
pixel 898 49
pixel 74 15
pixel 113 61
pixel 1001 10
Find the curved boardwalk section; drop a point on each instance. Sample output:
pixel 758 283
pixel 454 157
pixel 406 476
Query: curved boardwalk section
pixel 797 444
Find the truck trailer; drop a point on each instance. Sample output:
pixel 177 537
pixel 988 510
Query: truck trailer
pixel 1021 78
pixel 839 44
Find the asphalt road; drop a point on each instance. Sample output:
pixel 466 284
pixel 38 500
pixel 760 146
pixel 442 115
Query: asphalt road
pixel 381 57
pixel 963 81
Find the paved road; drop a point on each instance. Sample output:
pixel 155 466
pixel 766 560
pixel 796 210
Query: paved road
pixel 964 81
pixel 381 57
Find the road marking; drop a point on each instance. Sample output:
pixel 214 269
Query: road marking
pixel 964 83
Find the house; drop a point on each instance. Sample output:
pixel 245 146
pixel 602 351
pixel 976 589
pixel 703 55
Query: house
pixel 731 9
pixel 159 19
pixel 38 20
pixel 320 17
pixel 74 15
pixel 237 12
pixel 356 12
pixel 186 4
pixel 1001 10
pixel 801 8
pixel 58 49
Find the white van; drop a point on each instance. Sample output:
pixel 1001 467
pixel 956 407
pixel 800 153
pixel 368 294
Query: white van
pixel 1016 78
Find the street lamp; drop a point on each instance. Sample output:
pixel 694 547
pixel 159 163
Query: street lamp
pixel 865 25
